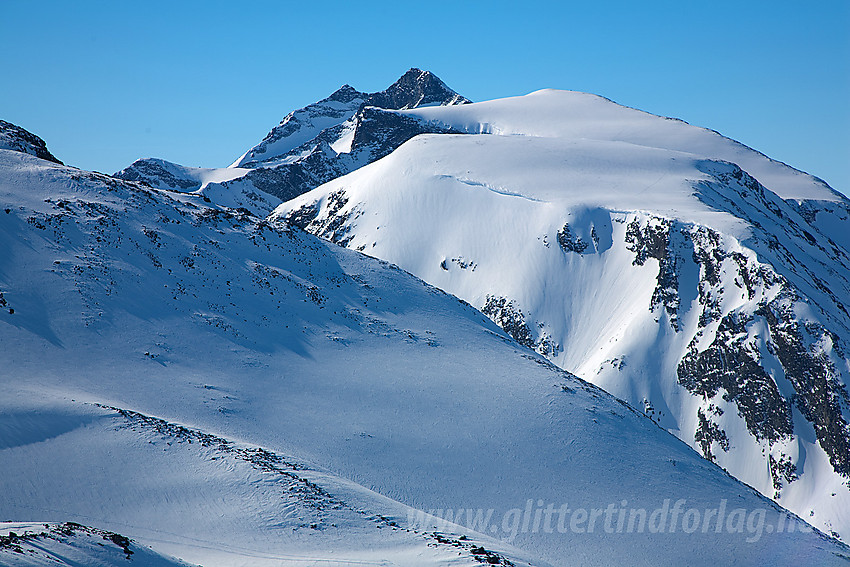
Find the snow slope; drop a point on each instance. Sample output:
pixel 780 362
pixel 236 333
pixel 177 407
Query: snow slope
pixel 679 270
pixel 233 393
pixel 71 544
pixel 551 113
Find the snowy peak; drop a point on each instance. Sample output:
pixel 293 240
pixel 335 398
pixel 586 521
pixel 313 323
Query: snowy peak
pixel 414 89
pixel 310 146
pixel 299 132
pixel 17 139
pixel 346 93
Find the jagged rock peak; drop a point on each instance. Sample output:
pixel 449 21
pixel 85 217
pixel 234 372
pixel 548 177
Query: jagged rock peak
pixel 17 139
pixel 346 93
pixel 416 88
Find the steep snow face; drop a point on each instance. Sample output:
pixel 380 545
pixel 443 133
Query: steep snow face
pixel 629 250
pixel 301 126
pixel 229 392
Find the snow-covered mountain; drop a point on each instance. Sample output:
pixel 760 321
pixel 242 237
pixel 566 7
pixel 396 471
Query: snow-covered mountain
pixel 205 183
pixel 685 273
pixel 313 145
pixel 226 391
pixel 336 118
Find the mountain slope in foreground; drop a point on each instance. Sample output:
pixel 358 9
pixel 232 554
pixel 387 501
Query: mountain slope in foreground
pixel 32 544
pixel 679 270
pixel 230 393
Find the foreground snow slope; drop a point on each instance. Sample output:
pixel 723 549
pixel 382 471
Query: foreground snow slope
pixel 631 250
pixel 258 360
pixel 72 544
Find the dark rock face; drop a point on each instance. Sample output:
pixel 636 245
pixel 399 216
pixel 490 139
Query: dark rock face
pixel 377 133
pixel 416 88
pixel 152 172
pixel 17 139
pixel 708 432
pixel 654 241
pixel 290 180
pixel 505 313
pixel 510 318
pixel 570 243
pixel 819 394
pixel 732 365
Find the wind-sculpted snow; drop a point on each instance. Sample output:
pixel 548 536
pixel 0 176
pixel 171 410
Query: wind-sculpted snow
pixel 675 268
pixel 229 390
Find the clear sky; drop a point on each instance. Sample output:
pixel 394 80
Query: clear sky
pixel 199 82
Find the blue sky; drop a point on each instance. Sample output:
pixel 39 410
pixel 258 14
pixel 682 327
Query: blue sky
pixel 198 83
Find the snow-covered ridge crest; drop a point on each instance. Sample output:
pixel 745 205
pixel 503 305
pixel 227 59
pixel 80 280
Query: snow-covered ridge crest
pixel 576 115
pixel 680 270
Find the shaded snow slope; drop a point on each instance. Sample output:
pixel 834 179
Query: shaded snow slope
pixel 631 250
pixel 342 371
pixel 72 544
